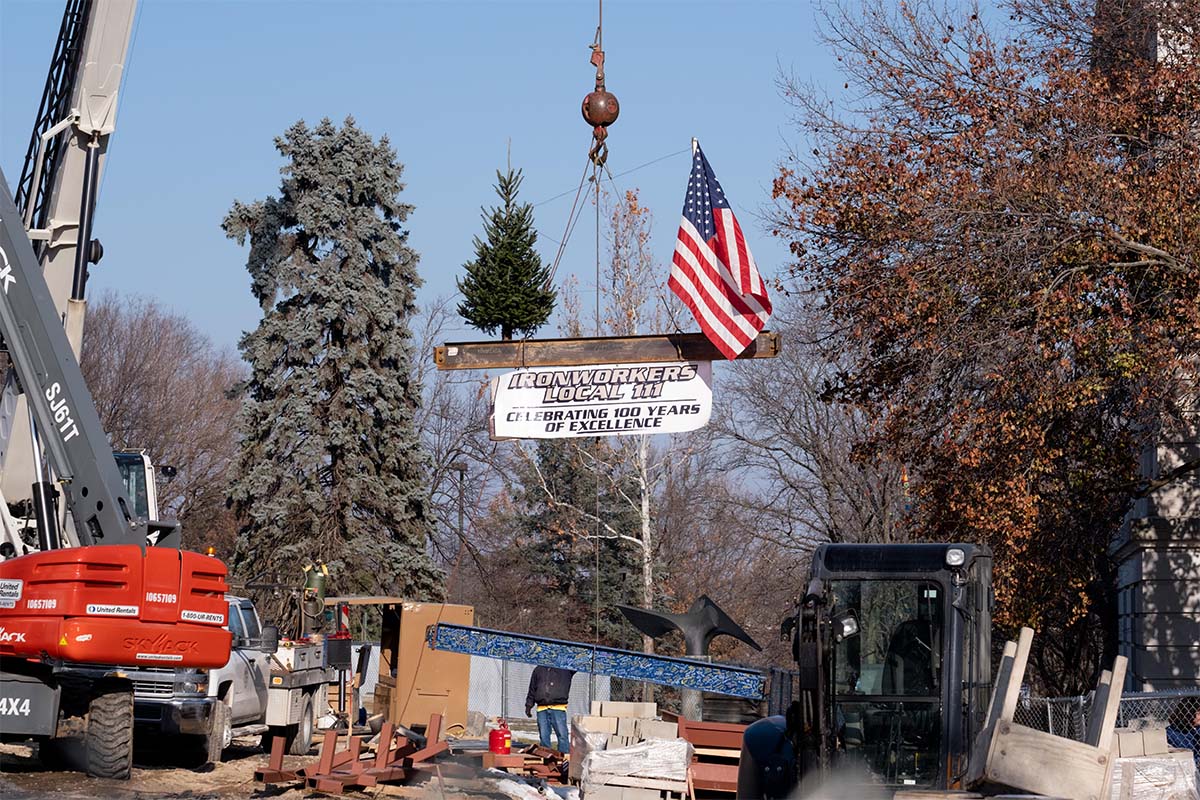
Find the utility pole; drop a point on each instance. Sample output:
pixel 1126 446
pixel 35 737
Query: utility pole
pixel 461 468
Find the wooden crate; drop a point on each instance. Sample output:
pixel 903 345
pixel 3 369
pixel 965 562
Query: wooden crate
pixel 1007 754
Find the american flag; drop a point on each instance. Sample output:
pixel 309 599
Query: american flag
pixel 712 270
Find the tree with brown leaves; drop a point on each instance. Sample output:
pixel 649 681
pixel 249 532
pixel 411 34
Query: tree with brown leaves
pixel 1002 229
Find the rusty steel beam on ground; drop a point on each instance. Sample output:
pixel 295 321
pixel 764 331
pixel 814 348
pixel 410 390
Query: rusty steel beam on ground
pixel 595 350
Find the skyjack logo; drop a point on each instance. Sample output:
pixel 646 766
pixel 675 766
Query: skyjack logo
pixel 161 645
pixel 6 270
pixel 8 638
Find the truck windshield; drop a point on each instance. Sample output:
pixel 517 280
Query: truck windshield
pixel 887 679
pixel 133 475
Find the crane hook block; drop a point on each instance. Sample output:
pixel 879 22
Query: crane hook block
pixel 600 109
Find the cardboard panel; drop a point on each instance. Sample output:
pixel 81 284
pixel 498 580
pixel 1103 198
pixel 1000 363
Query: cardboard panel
pixel 428 681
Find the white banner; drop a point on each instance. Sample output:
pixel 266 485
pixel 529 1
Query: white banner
pixel 607 400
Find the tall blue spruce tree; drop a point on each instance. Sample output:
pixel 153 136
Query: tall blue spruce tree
pixel 330 465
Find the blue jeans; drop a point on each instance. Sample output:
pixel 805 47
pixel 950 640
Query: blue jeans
pixel 556 718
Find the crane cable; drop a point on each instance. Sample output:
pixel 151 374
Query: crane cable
pixel 600 109
pixel 572 218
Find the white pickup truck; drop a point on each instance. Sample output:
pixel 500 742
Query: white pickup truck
pixel 265 688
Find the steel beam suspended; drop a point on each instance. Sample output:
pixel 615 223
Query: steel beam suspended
pixel 581 657
pixel 594 350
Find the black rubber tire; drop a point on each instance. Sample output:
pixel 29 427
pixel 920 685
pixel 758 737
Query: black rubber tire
pixel 108 745
pixel 219 736
pixel 301 735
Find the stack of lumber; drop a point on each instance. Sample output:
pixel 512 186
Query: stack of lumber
pixel 533 762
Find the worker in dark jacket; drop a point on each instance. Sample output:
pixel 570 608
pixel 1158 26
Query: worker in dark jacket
pixel 549 688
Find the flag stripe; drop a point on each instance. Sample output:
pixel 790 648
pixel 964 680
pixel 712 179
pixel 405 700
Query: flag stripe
pixel 733 256
pixel 718 281
pixel 716 333
pixel 707 310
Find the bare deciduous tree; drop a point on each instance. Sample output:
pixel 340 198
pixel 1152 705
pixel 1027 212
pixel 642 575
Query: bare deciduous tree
pixel 162 386
pixel 453 421
pixel 795 447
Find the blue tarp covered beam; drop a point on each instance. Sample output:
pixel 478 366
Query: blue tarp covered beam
pixel 664 670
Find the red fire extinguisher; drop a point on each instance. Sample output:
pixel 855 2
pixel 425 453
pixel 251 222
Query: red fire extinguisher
pixel 500 739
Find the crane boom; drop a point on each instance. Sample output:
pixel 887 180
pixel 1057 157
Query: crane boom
pixel 56 193
pixel 65 159
pixel 60 403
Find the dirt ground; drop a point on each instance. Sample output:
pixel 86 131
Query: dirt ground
pixel 22 777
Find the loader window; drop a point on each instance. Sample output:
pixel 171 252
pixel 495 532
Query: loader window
pixel 887 678
pixel 133 475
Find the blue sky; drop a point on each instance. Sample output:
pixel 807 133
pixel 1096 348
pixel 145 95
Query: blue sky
pixel 210 84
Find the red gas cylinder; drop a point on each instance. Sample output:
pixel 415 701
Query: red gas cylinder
pixel 500 739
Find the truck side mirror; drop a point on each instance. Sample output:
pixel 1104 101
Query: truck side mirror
pixel 270 639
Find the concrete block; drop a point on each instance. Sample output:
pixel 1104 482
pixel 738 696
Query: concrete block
pixel 580 747
pixel 627 727
pixel 654 729
pixel 1129 743
pixel 614 708
pixel 597 724
pixel 1154 741
pixel 1154 777
pixel 595 710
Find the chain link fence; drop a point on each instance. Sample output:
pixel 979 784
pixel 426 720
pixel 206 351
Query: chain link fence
pixel 1068 716
pixel 498 689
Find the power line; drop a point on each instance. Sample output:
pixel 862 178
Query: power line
pixel 618 175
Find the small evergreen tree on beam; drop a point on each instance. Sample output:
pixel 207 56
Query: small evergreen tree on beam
pixel 506 286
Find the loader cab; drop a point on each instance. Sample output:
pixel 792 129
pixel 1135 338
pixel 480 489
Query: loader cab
pixel 141 486
pixel 893 651
pixel 908 657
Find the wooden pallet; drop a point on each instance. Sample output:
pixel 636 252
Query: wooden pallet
pixel 654 787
